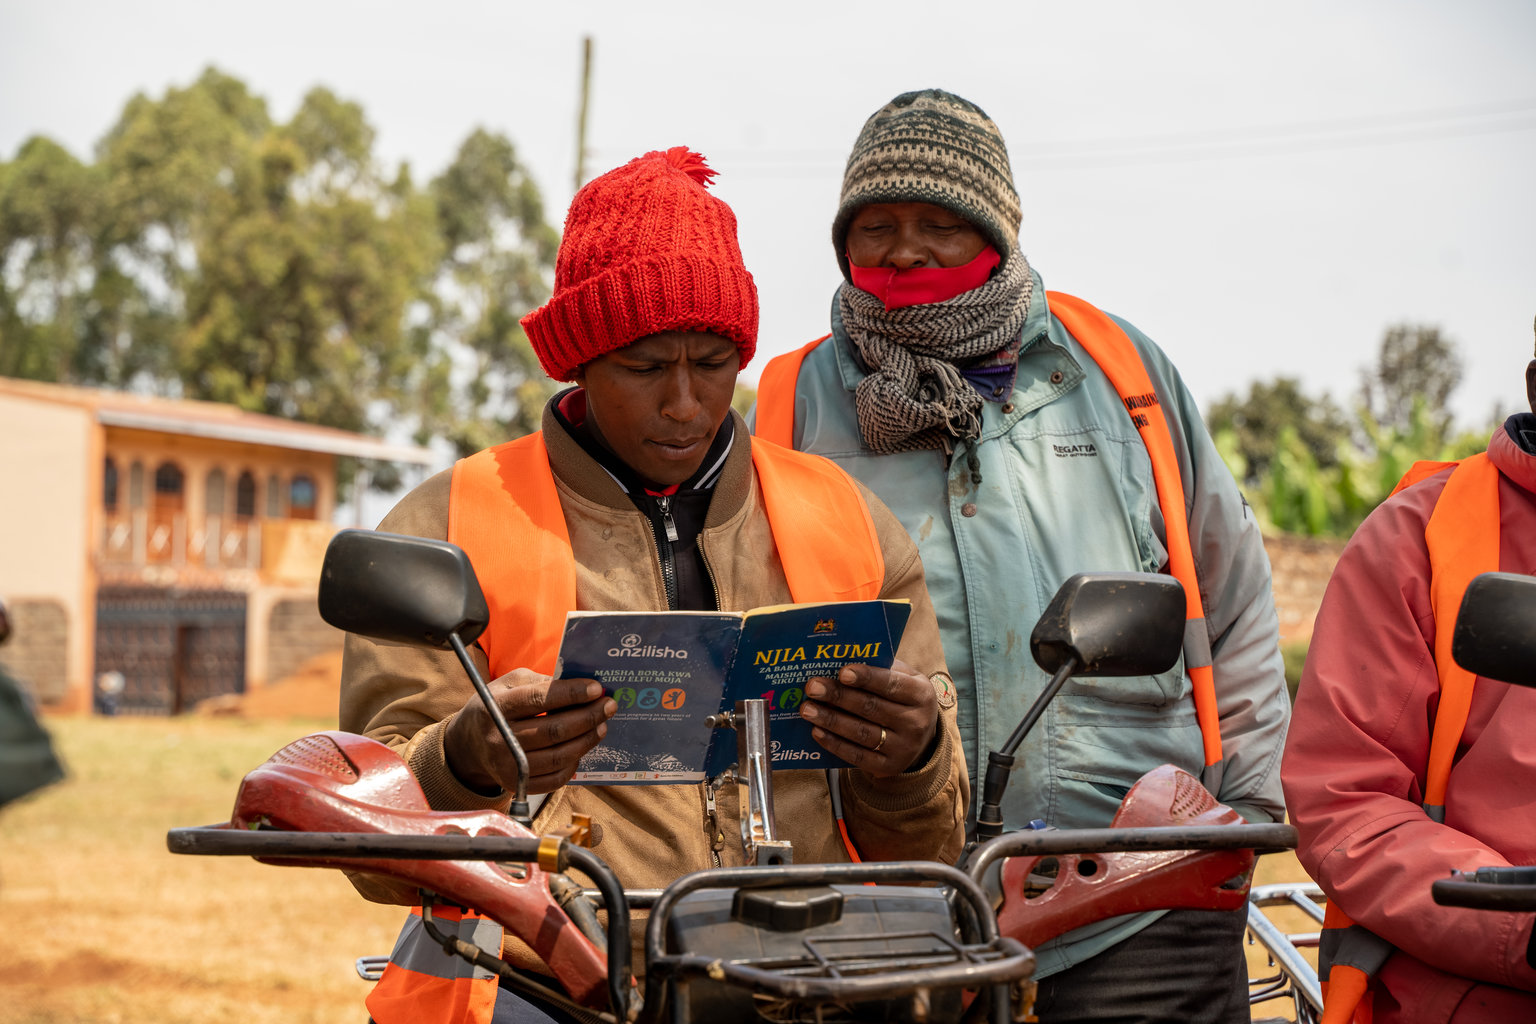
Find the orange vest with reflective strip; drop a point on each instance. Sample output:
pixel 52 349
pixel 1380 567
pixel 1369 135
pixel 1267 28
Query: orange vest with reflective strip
pixel 1115 354
pixel 422 984
pixel 504 511
pixel 1462 538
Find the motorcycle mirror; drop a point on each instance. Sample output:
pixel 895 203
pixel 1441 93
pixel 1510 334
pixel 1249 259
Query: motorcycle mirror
pixel 412 590
pixel 1493 636
pixel 1112 624
pixel 408 590
pixel 1104 624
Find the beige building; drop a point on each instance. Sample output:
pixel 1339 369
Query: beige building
pixel 171 548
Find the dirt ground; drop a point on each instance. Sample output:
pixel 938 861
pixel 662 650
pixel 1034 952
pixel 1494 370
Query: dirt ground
pixel 100 924
pixel 310 692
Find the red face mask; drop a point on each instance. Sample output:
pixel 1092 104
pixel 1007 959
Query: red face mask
pixel 919 285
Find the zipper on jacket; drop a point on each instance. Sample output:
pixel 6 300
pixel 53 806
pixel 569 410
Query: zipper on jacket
pixel 712 819
pixel 664 503
pixel 664 528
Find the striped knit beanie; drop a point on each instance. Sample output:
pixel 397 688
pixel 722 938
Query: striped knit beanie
pixel 932 147
pixel 646 249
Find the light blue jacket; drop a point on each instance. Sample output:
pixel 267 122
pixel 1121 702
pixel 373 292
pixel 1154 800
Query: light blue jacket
pixel 1065 487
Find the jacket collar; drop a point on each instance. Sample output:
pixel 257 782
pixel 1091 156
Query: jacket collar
pixel 1513 450
pixel 579 471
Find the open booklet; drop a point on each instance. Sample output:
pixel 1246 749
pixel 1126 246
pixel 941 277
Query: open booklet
pixel 669 671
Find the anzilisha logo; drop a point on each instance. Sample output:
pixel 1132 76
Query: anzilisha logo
pixel 633 645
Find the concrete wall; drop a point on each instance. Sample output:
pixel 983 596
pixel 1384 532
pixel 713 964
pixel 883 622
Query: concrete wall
pixel 50 463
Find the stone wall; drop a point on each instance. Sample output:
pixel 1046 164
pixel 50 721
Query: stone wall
pixel 297 634
pixel 37 653
pixel 1300 567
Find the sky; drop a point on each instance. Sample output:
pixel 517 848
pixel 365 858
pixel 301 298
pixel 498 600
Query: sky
pixel 1262 188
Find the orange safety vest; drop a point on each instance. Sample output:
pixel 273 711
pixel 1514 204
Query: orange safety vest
pixel 1462 537
pixel 504 511
pixel 1115 354
pixel 421 982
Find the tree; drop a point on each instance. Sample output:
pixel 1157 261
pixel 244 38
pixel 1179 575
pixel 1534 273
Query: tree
pixel 49 217
pixel 306 272
pixel 497 254
pixel 1259 421
pixel 210 252
pixel 1415 363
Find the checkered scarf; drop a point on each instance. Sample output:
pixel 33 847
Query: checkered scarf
pixel 915 396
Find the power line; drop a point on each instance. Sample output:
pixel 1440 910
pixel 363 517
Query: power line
pixel 1300 137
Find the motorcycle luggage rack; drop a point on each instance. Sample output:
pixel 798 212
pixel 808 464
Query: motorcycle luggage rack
pixel 983 960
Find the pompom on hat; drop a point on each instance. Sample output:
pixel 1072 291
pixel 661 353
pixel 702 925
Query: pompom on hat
pixel 646 250
pixel 932 147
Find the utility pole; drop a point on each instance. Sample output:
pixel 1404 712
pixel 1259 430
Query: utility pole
pixel 581 116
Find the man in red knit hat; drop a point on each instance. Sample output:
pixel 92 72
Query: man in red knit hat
pixel 665 501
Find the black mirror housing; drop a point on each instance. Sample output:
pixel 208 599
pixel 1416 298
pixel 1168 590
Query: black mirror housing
pixel 1495 633
pixel 1113 624
pixel 409 590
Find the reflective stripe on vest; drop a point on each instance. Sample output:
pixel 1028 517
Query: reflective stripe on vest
pixel 1462 538
pixel 504 511
pixel 1116 356
pixel 1112 349
pixel 422 984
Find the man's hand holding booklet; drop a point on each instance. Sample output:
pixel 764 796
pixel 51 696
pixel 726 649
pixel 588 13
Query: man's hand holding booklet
pixel 669 671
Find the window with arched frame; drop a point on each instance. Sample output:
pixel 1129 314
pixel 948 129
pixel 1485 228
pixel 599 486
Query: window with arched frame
pixel 109 484
pixel 170 486
pixel 245 496
pixel 303 498
pixel 166 523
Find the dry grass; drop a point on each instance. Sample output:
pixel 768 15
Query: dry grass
pixel 101 925
pixel 104 926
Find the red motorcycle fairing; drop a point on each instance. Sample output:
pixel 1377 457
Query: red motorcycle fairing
pixel 1093 886
pixel 342 782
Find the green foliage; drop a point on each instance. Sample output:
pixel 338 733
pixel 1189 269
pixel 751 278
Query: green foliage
pixel 210 252
pixel 497 250
pixel 1257 422
pixel 1298 496
pixel 744 397
pixel 1306 469
pixel 1415 365
pixel 49 212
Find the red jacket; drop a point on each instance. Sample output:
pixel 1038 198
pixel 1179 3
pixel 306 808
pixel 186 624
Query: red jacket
pixel 1356 754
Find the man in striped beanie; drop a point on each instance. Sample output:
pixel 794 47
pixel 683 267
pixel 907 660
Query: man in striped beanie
pixel 1023 437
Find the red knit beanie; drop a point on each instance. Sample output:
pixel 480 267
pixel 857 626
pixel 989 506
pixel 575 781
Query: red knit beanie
pixel 646 249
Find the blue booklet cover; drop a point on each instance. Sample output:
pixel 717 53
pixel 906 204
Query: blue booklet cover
pixel 669 671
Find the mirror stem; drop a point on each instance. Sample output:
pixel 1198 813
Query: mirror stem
pixel 1038 707
pixel 519 809
pixel 989 818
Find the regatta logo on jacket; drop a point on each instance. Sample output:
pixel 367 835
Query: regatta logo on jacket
pixel 1074 451
pixel 1144 401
